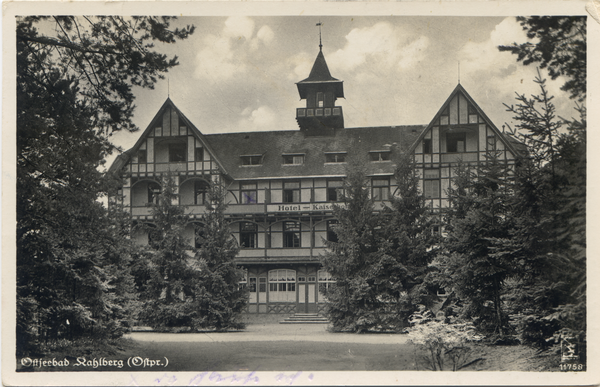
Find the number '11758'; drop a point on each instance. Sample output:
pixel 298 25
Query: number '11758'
pixel 571 367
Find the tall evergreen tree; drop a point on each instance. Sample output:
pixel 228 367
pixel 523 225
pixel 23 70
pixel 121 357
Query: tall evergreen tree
pixel 469 263
pixel 409 231
pixel 355 259
pixel 218 295
pixel 74 80
pixel 558 45
pixel 548 238
pixel 172 272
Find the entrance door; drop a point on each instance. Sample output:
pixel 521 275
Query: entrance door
pixel 306 295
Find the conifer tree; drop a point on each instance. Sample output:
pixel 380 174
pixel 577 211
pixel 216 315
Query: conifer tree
pixel 409 232
pixel 353 302
pixel 172 272
pixel 218 295
pixel 469 263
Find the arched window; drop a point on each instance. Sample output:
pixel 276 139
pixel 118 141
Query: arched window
pixel 282 285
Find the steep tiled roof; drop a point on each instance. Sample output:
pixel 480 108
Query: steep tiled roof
pixel 320 71
pixel 320 75
pixel 228 148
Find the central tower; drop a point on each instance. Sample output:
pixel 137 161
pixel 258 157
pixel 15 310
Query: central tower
pixel 320 90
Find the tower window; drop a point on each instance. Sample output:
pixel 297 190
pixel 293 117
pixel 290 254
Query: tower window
pixel 320 99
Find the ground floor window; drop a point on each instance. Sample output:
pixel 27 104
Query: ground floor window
pixel 326 284
pixel 282 285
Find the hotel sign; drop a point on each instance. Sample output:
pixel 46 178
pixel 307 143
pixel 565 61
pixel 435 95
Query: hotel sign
pixel 300 207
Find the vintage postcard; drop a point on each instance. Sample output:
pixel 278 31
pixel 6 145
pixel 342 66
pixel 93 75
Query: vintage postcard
pixel 299 193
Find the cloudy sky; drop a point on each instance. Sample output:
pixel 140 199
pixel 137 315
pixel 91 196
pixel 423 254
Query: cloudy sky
pixel 238 73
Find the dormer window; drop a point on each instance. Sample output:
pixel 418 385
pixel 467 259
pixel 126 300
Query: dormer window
pixel 338 157
pixel 380 155
pixel 251 159
pixel 293 159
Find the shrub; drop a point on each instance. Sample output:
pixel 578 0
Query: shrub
pixel 441 341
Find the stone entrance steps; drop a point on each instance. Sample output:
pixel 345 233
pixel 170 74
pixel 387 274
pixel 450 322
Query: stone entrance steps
pixel 305 318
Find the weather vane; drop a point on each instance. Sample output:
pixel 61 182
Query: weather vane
pixel 319 24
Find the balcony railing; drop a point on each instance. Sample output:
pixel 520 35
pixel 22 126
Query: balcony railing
pixel 319 112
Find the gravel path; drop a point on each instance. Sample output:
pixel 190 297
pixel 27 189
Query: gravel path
pixel 273 332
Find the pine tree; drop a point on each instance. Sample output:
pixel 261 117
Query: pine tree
pixel 172 271
pixel 409 231
pixel 74 80
pixel 469 263
pixel 218 295
pixel 548 239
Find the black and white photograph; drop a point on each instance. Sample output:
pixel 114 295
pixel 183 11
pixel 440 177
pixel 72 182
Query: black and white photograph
pixel 298 193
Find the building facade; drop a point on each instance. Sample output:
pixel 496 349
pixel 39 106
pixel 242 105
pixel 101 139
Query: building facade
pixel 282 185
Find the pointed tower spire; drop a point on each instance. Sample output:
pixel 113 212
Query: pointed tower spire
pixel 320 90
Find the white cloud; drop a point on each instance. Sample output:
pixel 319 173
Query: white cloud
pixel 265 34
pixel 413 53
pixel 261 118
pixel 215 61
pixel 239 26
pixel 381 46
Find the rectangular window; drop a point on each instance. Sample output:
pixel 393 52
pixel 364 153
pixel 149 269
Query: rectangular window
pixel 331 234
pixel 142 156
pixel 291 234
pixel 491 143
pixel 248 235
pixel 262 286
pixel 291 192
pixel 199 154
pixel 431 183
pixel 200 192
pixel 427 146
pixel 455 142
pixel 252 285
pixel 380 156
pixel 198 237
pixel 334 190
pixel 431 188
pixel 248 193
pixel 320 99
pixel 293 159
pixel 251 160
pixel 335 157
pixel 380 188
pixel 177 152
pixel 153 192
